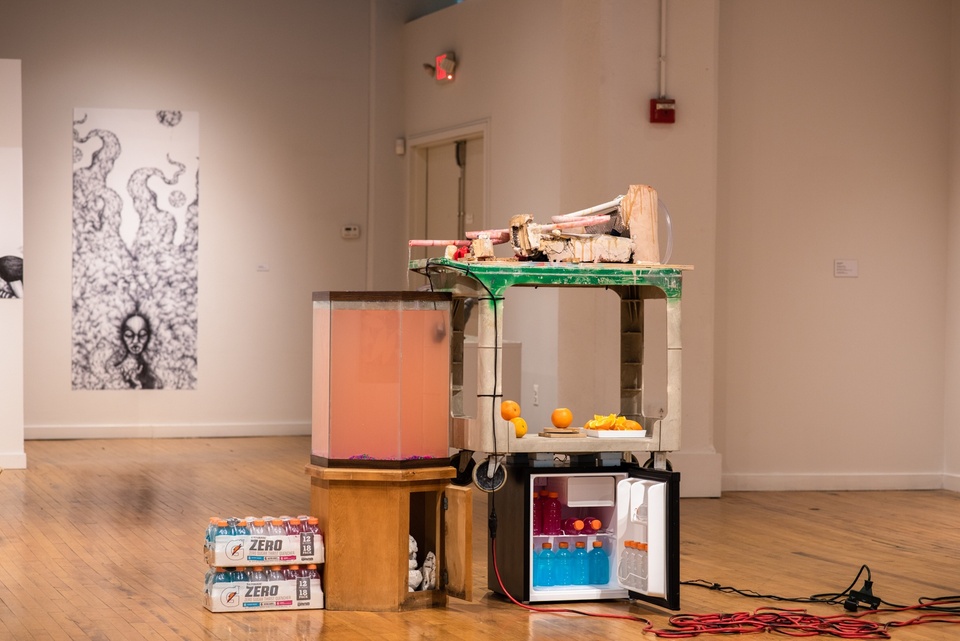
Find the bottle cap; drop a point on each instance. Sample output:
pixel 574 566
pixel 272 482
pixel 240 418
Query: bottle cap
pixel 641 546
pixel 294 567
pixel 258 568
pixel 294 521
pixel 547 546
pixel 259 523
pixel 594 523
pixel 313 520
pixel 274 567
pixel 277 521
pixel 312 566
pixel 242 523
pixel 581 544
pixel 554 495
pixel 577 525
pixel 598 544
pixel 564 545
pixel 221 523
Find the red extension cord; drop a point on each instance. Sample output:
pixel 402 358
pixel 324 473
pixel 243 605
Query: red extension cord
pixel 797 623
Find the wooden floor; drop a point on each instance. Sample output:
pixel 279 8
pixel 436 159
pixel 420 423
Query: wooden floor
pixel 102 540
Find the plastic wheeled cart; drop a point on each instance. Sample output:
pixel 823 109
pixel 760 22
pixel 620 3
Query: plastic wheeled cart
pixel 487 281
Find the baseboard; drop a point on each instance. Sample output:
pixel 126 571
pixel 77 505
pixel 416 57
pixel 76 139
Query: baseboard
pixel 700 473
pixel 13 461
pixel 828 482
pixel 189 430
pixel 951 482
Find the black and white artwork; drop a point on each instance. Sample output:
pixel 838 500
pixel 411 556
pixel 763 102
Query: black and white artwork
pixel 136 200
pixel 11 223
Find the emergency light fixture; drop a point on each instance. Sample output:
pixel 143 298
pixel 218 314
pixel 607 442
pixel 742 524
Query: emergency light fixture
pixel 443 66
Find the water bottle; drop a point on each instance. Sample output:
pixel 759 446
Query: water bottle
pixel 212 530
pixel 275 573
pixel 535 563
pixel 311 572
pixel 625 567
pixel 591 525
pixel 275 527
pixel 239 574
pixel 537 513
pixel 221 576
pixel 258 527
pixel 313 525
pixel 241 527
pixel 599 565
pixel 573 527
pixel 640 567
pixel 294 527
pixel 552 525
pixel 223 528
pixel 563 565
pixel 292 572
pixel 543 574
pixel 580 566
pixel 256 574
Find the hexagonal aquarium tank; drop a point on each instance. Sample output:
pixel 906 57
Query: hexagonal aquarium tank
pixel 381 379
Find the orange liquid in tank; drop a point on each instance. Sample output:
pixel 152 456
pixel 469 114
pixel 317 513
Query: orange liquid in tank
pixel 389 384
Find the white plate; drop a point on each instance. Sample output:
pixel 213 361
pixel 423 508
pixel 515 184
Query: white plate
pixel 616 433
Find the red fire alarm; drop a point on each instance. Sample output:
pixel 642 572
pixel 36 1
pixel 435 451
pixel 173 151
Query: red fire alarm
pixel 663 110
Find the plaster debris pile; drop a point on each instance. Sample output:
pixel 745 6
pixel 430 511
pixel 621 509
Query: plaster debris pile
pixel 623 230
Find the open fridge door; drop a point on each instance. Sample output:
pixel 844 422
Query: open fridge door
pixel 648 536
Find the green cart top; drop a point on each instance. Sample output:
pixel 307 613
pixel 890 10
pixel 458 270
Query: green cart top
pixel 494 276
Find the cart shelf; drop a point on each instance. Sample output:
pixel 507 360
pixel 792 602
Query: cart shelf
pixel 487 281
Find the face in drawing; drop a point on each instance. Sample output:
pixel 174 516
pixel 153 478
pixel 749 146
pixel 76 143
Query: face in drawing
pixel 136 334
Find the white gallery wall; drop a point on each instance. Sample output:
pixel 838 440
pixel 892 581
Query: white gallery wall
pixel 834 123
pixel 11 241
pixel 951 442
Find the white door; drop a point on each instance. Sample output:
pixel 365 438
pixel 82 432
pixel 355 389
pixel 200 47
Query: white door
pixel 448 192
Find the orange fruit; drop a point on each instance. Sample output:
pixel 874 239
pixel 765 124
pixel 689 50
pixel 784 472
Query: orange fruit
pixel 561 417
pixel 509 410
pixel 519 426
pixel 632 425
pixel 604 422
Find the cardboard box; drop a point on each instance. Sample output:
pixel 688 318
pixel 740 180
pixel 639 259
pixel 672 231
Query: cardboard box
pixel 265 549
pixel 247 596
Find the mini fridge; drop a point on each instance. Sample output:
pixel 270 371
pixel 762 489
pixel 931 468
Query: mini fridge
pixel 632 503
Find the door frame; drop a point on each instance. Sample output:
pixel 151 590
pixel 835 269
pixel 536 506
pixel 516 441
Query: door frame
pixel 417 146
